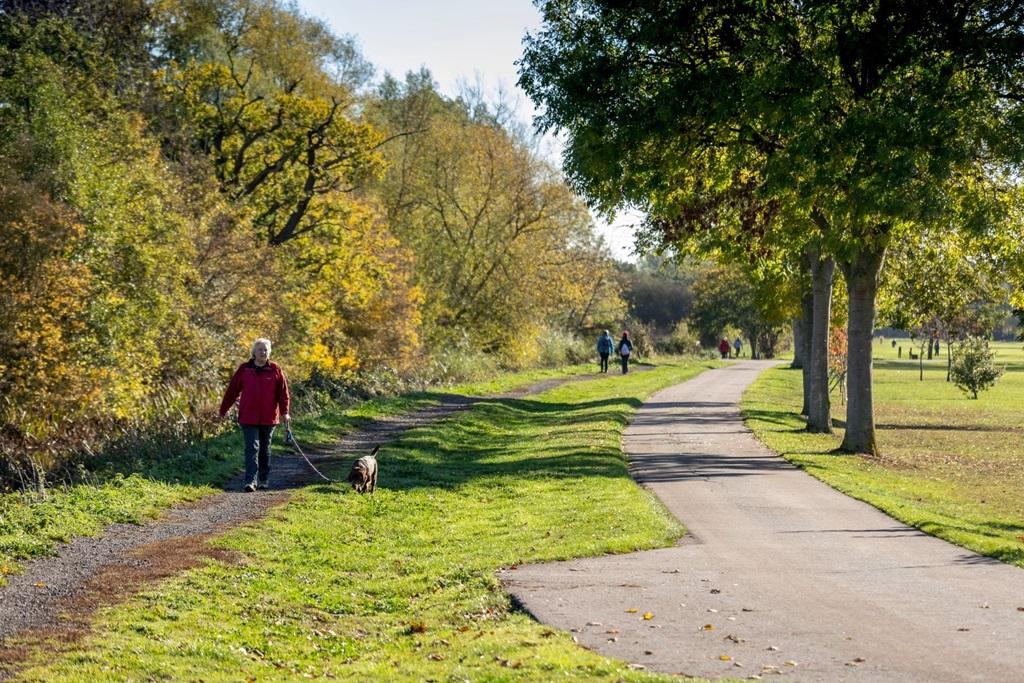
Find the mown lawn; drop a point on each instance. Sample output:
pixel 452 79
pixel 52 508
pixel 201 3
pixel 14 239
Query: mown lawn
pixel 401 586
pixel 31 525
pixel 949 465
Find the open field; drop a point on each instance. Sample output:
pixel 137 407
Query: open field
pixel 951 466
pixel 401 585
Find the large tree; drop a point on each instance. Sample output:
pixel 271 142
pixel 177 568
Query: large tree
pixel 503 246
pixel 854 119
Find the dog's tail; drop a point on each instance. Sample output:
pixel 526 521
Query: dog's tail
pixel 375 449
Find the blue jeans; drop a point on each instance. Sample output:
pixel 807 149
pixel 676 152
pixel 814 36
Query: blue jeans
pixel 257 452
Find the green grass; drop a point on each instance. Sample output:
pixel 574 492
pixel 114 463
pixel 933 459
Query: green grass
pixel 401 586
pixel 950 466
pixel 31 526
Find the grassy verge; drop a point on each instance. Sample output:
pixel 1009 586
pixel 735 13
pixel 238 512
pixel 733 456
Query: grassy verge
pixel 401 586
pixel 31 525
pixel 950 466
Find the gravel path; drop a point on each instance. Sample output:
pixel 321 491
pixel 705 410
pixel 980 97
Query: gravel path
pixel 781 576
pixel 55 596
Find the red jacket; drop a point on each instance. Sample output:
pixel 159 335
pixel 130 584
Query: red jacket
pixel 264 392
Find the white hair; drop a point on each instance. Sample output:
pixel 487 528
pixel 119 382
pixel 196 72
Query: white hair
pixel 261 340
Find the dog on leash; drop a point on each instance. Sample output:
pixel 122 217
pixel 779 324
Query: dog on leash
pixel 363 475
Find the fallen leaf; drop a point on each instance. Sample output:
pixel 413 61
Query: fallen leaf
pixel 612 630
pixel 772 648
pixel 1020 609
pixel 859 659
pixel 648 616
pixel 632 610
pixel 708 627
pixel 725 658
pixel 436 656
pixel 715 591
pixel 790 662
pixel 648 652
pixel 39 584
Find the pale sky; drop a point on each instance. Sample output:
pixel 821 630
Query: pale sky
pixel 458 40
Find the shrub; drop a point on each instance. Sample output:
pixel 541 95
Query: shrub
pixel 640 335
pixel 559 347
pixel 973 369
pixel 682 340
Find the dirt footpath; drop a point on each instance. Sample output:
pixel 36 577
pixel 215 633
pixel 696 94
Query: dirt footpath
pixel 53 599
pixel 781 577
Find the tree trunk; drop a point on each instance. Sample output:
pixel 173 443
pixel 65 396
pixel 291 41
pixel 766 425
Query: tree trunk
pixel 862 287
pixel 819 413
pixel 802 327
pixel 949 359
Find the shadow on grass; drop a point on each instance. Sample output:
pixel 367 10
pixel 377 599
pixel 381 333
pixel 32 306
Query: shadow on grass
pixel 784 418
pixel 950 427
pixel 512 438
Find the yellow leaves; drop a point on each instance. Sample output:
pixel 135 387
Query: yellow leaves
pixel 648 616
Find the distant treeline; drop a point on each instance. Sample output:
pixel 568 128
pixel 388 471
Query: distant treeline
pixel 182 176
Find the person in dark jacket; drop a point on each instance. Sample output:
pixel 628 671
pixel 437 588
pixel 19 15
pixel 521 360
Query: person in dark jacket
pixel 605 346
pixel 261 390
pixel 625 349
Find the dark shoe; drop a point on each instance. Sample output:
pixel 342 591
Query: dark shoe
pixel 262 486
pixel 249 488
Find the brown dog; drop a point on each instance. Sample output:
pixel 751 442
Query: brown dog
pixel 363 475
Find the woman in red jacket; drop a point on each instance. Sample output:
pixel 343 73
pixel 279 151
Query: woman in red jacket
pixel 263 389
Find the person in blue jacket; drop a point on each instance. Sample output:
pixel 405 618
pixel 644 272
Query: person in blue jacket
pixel 605 346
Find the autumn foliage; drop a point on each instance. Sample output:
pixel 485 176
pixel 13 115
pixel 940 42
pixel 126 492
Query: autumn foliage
pixel 202 174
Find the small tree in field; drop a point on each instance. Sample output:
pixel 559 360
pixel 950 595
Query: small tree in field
pixel 837 369
pixel 973 370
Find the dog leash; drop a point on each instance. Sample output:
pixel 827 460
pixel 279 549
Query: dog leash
pixel 289 439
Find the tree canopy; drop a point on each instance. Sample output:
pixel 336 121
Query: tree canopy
pixel 836 124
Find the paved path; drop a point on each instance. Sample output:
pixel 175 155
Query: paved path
pixel 781 576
